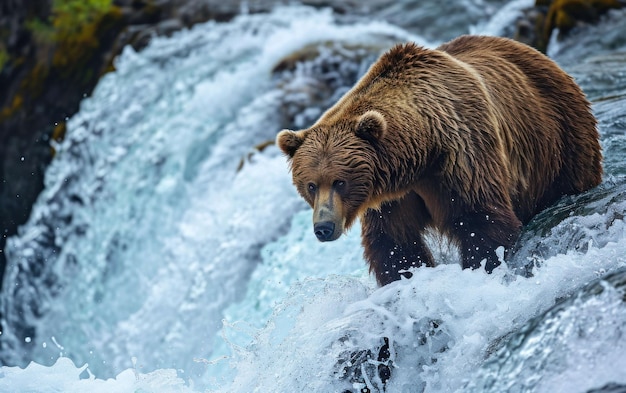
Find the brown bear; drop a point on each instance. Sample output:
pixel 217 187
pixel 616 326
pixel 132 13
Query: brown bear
pixel 472 138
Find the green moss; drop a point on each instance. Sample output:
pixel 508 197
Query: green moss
pixel 16 104
pixel 42 31
pixel 566 14
pixel 66 46
pixel 70 16
pixel 4 57
pixel 77 46
pixel 31 86
pixel 71 35
pixel 34 82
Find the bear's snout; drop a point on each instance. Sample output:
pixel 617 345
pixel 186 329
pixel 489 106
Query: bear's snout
pixel 324 230
pixel 328 215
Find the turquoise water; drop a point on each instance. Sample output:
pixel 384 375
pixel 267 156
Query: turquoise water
pixel 151 263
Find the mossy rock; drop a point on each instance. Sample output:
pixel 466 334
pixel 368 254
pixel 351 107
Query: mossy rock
pixel 76 51
pixel 16 104
pixel 537 26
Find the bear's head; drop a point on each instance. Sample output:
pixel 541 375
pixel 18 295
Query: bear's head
pixel 334 167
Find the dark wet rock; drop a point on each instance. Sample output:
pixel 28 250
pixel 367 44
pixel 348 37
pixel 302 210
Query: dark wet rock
pixel 610 388
pixel 537 24
pixel 568 222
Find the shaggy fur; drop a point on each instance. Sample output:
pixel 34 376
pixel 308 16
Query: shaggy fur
pixel 472 138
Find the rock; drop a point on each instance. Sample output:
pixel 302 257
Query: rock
pixel 554 342
pixel 610 388
pixel 537 24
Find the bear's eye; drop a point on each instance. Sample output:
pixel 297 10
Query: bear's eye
pixel 339 185
pixel 312 188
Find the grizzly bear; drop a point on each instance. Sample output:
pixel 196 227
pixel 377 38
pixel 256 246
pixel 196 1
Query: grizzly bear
pixel 472 139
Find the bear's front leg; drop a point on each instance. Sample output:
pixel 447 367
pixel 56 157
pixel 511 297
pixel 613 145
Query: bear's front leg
pixel 479 234
pixel 392 238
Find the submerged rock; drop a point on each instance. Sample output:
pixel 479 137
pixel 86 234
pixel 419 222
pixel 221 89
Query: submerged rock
pixel 582 335
pixel 609 388
pixel 573 224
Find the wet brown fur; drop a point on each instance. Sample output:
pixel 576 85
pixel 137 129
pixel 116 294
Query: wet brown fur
pixel 473 138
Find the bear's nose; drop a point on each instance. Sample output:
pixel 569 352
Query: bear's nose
pixel 324 230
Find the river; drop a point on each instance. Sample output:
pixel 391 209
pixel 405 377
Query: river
pixel 154 261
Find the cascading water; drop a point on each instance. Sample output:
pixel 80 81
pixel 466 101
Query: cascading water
pixel 147 235
pixel 146 231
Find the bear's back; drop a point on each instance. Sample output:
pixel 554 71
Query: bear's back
pixel 549 130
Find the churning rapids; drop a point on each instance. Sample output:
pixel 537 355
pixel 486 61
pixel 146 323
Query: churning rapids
pixel 151 263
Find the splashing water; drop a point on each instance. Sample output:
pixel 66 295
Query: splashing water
pixel 147 237
pixel 142 237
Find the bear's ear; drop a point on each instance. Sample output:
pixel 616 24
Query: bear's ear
pixel 289 141
pixel 371 126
